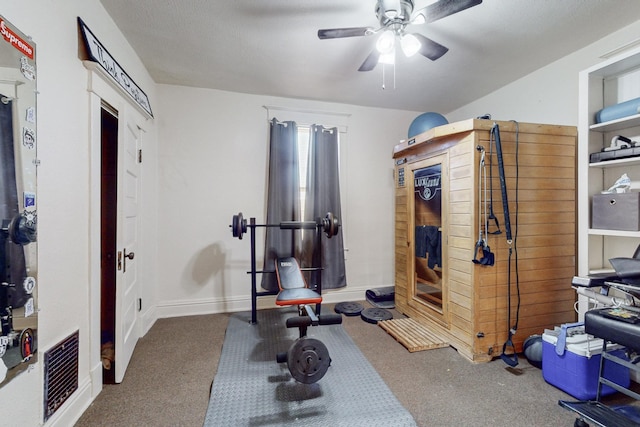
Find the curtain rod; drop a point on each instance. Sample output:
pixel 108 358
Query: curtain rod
pixel 324 129
pixel 299 110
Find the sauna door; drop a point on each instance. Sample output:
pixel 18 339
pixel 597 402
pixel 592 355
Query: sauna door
pixel 428 204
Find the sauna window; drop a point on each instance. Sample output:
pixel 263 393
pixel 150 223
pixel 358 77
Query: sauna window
pixel 428 235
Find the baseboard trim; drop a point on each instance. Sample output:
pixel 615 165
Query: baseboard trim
pixel 148 318
pixel 96 380
pixel 167 309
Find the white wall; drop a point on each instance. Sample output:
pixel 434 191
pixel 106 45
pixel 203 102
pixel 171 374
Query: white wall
pixel 212 164
pixel 64 191
pixel 550 94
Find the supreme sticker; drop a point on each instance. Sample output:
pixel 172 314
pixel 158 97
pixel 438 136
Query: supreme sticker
pixel 15 40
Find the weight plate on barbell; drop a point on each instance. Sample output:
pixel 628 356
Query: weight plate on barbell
pixel 330 224
pixel 308 360
pixel 243 224
pixel 238 226
pixel 234 226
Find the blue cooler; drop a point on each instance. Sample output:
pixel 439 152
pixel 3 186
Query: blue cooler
pixel 574 367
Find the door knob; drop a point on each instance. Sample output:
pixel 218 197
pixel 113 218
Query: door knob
pixel 129 255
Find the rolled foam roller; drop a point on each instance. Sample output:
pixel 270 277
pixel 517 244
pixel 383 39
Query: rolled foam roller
pixel 618 111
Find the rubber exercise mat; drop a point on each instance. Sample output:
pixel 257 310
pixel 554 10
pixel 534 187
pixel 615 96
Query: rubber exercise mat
pixel 251 389
pixel 413 335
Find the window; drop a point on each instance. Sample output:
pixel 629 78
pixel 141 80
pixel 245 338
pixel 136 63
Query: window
pixel 303 155
pixel 304 119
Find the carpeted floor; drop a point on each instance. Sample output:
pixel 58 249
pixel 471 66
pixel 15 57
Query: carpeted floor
pixel 169 379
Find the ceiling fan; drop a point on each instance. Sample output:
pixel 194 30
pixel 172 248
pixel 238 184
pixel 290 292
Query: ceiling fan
pixel 394 17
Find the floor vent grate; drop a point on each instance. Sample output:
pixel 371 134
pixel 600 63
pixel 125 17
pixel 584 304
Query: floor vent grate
pixel 60 374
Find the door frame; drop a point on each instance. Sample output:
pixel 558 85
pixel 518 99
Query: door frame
pixel 101 89
pixel 440 315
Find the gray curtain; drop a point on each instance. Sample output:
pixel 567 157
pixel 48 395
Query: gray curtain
pixel 283 198
pixel 323 195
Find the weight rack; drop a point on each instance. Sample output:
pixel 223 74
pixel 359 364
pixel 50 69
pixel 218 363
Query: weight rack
pixel 317 258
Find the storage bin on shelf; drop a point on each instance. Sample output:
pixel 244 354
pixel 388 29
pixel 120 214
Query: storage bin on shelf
pixel 616 211
pixel 574 367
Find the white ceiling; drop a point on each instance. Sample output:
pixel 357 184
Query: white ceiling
pixel 270 47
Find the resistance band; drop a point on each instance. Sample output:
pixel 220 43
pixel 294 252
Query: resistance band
pixel 482 246
pixel 491 214
pixel 511 360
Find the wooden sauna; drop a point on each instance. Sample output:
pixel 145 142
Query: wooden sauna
pixel 443 202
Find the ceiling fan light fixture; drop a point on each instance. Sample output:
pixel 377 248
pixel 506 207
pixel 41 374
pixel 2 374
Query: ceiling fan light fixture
pixel 410 44
pixel 386 42
pixel 388 57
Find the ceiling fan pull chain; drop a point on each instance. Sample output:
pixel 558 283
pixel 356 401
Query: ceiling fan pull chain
pixel 384 67
pixel 394 75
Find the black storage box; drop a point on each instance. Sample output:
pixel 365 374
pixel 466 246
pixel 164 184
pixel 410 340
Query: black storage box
pixel 616 211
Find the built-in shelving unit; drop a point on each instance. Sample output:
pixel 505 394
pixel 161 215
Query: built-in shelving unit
pixel 611 82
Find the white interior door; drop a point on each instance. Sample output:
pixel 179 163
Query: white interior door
pixel 127 285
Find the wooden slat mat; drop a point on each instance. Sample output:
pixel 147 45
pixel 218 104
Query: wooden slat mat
pixel 411 334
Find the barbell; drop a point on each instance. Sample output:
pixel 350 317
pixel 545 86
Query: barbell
pixel 330 224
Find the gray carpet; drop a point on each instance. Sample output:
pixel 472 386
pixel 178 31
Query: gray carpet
pixel 251 389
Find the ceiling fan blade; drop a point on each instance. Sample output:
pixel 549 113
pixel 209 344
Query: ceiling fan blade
pixel 371 61
pixel 336 33
pixel 444 8
pixel 429 48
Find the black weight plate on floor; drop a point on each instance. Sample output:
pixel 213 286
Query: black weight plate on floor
pixel 374 315
pixel 308 360
pixel 348 308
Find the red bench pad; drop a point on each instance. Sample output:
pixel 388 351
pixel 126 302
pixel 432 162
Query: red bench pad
pixel 293 288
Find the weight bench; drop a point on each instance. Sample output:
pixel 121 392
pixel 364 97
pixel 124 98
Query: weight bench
pixel 308 358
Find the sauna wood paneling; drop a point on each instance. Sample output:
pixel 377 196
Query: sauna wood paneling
pixel 474 320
